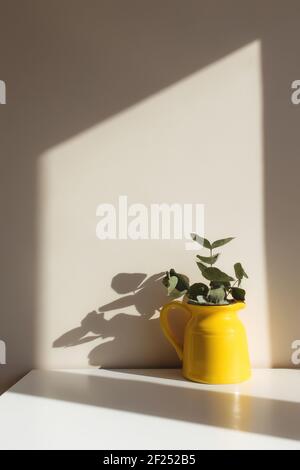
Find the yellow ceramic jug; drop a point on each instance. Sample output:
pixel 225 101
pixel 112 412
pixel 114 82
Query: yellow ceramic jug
pixel 215 349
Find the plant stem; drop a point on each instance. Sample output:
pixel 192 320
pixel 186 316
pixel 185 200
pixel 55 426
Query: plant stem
pixel 230 288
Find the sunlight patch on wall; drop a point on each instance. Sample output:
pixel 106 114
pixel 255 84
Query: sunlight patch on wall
pixel 197 141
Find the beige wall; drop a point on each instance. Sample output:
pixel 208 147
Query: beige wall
pixel 165 102
pixel 184 144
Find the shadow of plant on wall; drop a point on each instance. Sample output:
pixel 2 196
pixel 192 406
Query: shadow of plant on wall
pixel 137 334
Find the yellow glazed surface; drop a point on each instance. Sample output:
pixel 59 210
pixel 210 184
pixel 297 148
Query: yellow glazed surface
pixel 215 349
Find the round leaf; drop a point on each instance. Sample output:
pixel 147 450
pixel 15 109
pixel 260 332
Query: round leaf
pixel 209 259
pixel 239 271
pixel 217 296
pixel 238 293
pixel 202 241
pixel 221 242
pixel 183 281
pixel 177 293
pixel 216 284
pixel 198 289
pixel 215 274
pixel 172 284
pixel 201 266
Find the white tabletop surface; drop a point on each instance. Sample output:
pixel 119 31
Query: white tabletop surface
pixel 150 409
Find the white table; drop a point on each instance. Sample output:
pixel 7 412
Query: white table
pixel 149 409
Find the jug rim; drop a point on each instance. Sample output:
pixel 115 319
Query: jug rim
pixel 232 307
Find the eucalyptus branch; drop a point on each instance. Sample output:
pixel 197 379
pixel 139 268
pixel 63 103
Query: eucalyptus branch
pixel 219 282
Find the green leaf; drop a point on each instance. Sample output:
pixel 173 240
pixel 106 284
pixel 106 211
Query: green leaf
pixel 197 289
pixel 165 279
pixel 216 284
pixel 221 242
pixel 201 266
pixel 215 274
pixel 183 281
pixel 203 241
pixel 238 293
pixel 217 296
pixel 209 259
pixel 172 284
pixel 177 293
pixel 239 271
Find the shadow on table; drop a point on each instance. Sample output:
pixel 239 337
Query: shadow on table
pixel 129 393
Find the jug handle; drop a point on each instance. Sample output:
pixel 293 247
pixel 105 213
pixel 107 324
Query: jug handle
pixel 165 325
